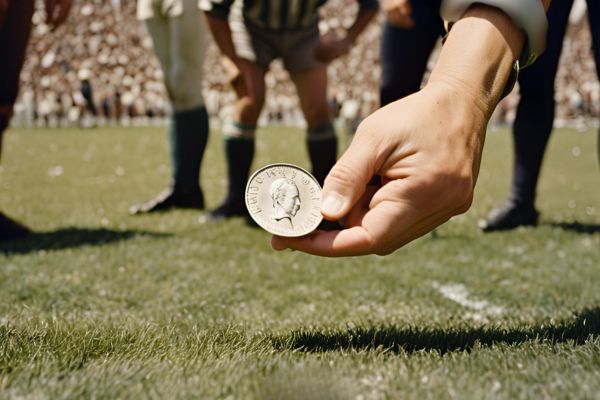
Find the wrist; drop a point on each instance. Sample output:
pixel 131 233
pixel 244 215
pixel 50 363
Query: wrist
pixel 528 15
pixel 462 125
pixel 464 113
pixel 478 56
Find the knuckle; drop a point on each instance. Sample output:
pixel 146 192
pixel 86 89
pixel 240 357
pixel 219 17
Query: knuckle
pixel 342 174
pixel 455 189
pixel 460 192
pixel 389 246
pixel 385 251
pixel 377 245
pixel 365 127
pixel 465 203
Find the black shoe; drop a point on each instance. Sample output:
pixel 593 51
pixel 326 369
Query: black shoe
pixel 168 199
pixel 509 215
pixel 224 211
pixel 11 229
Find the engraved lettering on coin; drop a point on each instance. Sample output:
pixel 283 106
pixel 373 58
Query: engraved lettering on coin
pixel 284 199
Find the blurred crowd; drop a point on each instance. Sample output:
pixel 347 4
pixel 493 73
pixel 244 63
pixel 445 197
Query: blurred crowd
pixel 99 68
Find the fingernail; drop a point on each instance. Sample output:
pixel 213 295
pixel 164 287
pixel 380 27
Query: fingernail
pixel 332 203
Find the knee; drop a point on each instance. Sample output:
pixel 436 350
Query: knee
pixel 185 89
pixel 250 107
pixel 317 114
pixel 324 131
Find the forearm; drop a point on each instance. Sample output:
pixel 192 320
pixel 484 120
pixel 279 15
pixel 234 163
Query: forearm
pixel 221 31
pixel 477 57
pixel 495 39
pixel 364 17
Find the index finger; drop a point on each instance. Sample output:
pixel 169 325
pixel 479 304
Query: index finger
pixel 355 241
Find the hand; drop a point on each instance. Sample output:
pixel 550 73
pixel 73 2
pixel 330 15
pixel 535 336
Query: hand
pixel 331 47
pixel 243 83
pixel 234 76
pixel 398 13
pixel 57 11
pixel 239 76
pixel 426 148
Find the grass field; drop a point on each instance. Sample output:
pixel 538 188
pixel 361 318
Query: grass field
pixel 100 304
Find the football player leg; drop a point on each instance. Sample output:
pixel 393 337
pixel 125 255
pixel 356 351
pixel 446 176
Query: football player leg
pixel 321 139
pixel 238 138
pixel 14 35
pixel 532 128
pixel 594 21
pixel 180 44
pixel 405 51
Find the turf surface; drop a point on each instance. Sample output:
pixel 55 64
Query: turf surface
pixel 100 304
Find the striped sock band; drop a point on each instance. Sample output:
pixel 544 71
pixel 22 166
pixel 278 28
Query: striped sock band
pixel 323 132
pixel 237 130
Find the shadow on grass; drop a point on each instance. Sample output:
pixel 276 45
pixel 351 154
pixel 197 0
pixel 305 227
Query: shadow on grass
pixel 576 227
pixel 411 339
pixel 69 237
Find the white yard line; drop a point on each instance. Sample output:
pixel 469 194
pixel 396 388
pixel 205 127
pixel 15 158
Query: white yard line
pixel 458 293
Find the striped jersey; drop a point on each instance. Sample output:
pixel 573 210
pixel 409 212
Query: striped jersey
pixel 274 14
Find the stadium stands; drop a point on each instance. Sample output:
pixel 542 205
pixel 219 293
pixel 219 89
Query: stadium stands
pixel 103 40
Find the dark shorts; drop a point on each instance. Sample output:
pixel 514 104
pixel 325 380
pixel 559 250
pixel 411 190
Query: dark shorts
pixel 295 47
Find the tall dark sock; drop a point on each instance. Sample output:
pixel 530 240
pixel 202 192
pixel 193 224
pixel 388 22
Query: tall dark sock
pixel 530 133
pixel 188 134
pixel 239 151
pixel 322 149
pixel 535 113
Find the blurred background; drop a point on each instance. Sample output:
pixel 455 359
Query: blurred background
pixel 99 68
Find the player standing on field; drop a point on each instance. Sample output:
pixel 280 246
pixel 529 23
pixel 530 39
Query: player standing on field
pixel 179 37
pixel 258 31
pixel 15 28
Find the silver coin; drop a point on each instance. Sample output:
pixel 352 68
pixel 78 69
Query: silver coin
pixel 284 200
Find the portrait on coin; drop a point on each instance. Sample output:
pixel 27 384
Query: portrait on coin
pixel 286 199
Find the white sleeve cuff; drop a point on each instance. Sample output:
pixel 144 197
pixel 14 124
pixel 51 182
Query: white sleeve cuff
pixel 529 15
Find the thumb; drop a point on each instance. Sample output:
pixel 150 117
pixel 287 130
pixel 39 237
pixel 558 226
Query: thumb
pixel 347 180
